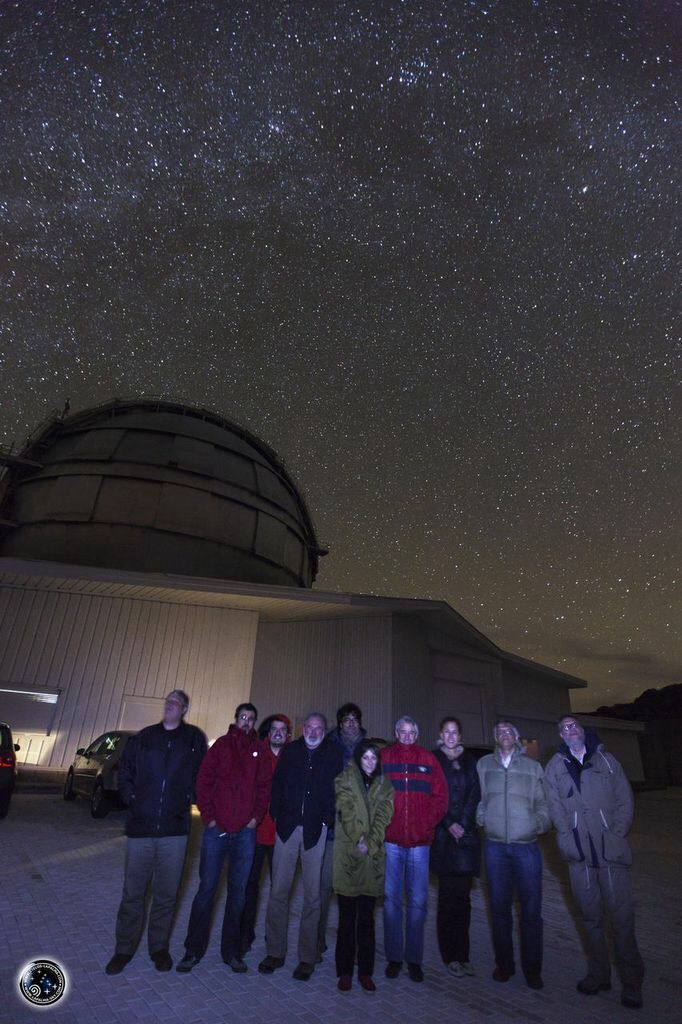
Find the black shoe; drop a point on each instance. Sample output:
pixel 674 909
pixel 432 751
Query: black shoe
pixel 415 972
pixel 117 963
pixel 393 968
pixel 534 981
pixel 188 961
pixel 502 974
pixel 162 960
pixel 589 987
pixel 631 997
pixel 304 971
pixel 270 964
pixel 237 965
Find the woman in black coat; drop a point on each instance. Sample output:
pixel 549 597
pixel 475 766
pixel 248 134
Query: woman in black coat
pixel 456 849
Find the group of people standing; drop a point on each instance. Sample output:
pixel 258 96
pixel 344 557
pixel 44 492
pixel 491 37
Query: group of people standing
pixel 370 821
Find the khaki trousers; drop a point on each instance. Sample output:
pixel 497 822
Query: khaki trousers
pixel 608 890
pixel 285 859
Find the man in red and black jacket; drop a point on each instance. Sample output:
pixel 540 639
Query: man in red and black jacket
pixel 420 795
pixel 233 791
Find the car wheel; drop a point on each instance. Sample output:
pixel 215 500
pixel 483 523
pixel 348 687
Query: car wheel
pixel 99 802
pixel 4 803
pixel 69 793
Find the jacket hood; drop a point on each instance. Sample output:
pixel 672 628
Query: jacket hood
pixel 241 738
pixel 592 743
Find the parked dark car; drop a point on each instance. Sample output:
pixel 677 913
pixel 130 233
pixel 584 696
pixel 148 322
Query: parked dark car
pixel 94 772
pixel 8 767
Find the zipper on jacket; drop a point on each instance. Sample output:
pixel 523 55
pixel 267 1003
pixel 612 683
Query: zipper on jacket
pixel 163 786
pixel 506 808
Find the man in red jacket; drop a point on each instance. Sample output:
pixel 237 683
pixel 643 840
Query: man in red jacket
pixel 233 791
pixel 420 796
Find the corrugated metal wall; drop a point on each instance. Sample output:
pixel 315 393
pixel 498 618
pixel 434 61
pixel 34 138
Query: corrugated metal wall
pixel 317 666
pixel 95 649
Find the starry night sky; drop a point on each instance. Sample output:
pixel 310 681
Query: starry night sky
pixel 427 251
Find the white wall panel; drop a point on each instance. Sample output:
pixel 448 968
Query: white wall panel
pixel 94 649
pixel 319 665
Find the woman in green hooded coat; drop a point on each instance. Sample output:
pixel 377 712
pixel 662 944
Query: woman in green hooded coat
pixel 364 808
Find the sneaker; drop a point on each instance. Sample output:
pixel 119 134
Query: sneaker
pixel 367 982
pixel 117 963
pixel 631 997
pixel 188 961
pixel 345 982
pixel 468 969
pixel 502 974
pixel 589 986
pixel 237 965
pixel 270 964
pixel 162 960
pixel 303 972
pixel 415 972
pixel 534 981
pixel 456 970
pixel 393 968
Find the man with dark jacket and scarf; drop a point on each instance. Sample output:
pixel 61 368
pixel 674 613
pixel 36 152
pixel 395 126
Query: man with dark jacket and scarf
pixel 591 805
pixel 233 789
pixel 302 804
pixel 347 734
pixel 156 778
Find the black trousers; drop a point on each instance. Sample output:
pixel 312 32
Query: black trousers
pixel 355 932
pixel 454 917
pixel 248 933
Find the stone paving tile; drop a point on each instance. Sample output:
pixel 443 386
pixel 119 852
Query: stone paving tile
pixel 60 889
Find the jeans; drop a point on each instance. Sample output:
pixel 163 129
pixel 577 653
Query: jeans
pixel 407 869
pixel 248 925
pixel 215 847
pixel 510 865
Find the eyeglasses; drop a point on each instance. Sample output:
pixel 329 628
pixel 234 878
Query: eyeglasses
pixel 568 726
pixel 247 716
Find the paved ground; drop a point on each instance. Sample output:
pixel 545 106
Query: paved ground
pixel 59 891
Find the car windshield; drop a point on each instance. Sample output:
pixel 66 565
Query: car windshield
pixel 5 740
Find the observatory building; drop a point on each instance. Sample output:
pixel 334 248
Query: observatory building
pixel 147 545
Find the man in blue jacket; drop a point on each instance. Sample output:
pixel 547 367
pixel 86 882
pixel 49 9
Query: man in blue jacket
pixel 156 778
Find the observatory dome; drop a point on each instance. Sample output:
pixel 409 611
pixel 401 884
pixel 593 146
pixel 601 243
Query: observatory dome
pixel 157 486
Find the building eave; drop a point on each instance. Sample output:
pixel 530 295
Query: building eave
pixel 272 603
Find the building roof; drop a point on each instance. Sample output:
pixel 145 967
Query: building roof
pixel 273 603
